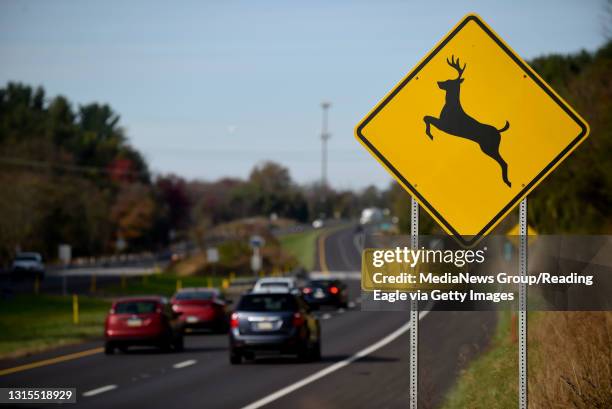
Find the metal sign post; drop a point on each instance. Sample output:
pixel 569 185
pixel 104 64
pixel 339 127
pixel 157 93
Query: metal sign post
pixel 523 305
pixel 414 314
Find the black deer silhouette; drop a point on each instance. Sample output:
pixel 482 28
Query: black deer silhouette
pixel 453 120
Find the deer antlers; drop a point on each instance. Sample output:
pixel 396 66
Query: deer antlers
pixel 456 65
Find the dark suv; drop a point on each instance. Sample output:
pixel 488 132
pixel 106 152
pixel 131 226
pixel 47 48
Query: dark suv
pixel 278 323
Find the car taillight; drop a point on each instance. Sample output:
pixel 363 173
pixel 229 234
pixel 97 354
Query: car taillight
pixel 234 320
pixel 333 290
pixel 298 320
pixel 307 290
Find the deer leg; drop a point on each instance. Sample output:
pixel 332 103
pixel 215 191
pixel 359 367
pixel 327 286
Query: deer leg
pixel 504 167
pixel 430 120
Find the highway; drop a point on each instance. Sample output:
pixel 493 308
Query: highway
pixel 365 361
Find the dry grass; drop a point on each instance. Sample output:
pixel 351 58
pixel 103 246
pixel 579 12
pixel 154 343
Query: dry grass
pixel 571 363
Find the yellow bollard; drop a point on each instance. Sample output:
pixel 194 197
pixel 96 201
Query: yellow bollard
pixel 123 282
pixel 209 282
pixel 75 309
pixel 92 287
pixel 36 285
pixel 225 283
pixel 232 276
pixel 179 284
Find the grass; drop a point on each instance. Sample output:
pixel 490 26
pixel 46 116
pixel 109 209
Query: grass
pixel 571 360
pixel 159 284
pixel 30 323
pixel 33 323
pixel 491 380
pixel 302 246
pixel 570 364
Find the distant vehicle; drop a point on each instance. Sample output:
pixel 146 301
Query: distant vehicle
pixel 273 323
pixel 326 292
pixel 28 264
pixel 142 321
pixel 318 223
pixel 371 215
pixel 201 308
pixel 275 285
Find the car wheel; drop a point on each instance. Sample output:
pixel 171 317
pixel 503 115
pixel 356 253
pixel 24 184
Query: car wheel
pixel 315 353
pixel 109 348
pixel 304 352
pixel 179 344
pixel 235 358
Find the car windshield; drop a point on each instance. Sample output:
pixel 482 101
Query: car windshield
pixel 267 302
pixel 320 284
pixel 195 295
pixel 26 257
pixel 269 284
pixel 135 307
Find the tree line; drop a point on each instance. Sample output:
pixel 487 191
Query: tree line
pixel 69 175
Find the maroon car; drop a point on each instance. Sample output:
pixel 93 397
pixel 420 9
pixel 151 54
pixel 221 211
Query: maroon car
pixel 201 308
pixel 142 321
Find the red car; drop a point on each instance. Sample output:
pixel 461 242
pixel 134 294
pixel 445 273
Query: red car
pixel 142 321
pixel 201 308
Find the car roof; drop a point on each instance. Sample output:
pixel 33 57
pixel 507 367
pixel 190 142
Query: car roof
pixel 28 254
pixel 156 298
pixel 272 290
pixel 276 280
pixel 256 293
pixel 198 289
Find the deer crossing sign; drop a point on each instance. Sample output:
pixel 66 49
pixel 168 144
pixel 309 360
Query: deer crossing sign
pixel 471 130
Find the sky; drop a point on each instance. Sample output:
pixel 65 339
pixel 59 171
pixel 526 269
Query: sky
pixel 209 89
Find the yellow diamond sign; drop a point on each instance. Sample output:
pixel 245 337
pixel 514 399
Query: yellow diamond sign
pixel 471 130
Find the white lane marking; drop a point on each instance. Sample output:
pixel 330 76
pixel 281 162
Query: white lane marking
pixel 344 256
pixel 184 364
pixel 358 240
pixel 351 304
pixel 340 310
pixel 333 368
pixel 99 390
pixel 326 316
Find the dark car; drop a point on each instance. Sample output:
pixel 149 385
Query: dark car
pixel 326 292
pixel 201 308
pixel 278 323
pixel 142 321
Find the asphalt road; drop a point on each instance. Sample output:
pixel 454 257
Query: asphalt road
pixel 201 376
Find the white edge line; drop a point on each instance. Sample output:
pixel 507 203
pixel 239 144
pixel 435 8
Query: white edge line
pixel 184 364
pixel 333 368
pixel 99 390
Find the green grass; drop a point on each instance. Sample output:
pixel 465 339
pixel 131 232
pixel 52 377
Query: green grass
pixel 33 323
pixel 302 246
pixel 491 380
pixel 159 284
pixel 30 323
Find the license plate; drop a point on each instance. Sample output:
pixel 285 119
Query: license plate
pixel 134 322
pixel 264 326
pixel 319 294
pixel 191 319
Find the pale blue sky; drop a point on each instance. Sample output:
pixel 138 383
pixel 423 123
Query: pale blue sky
pixel 208 89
